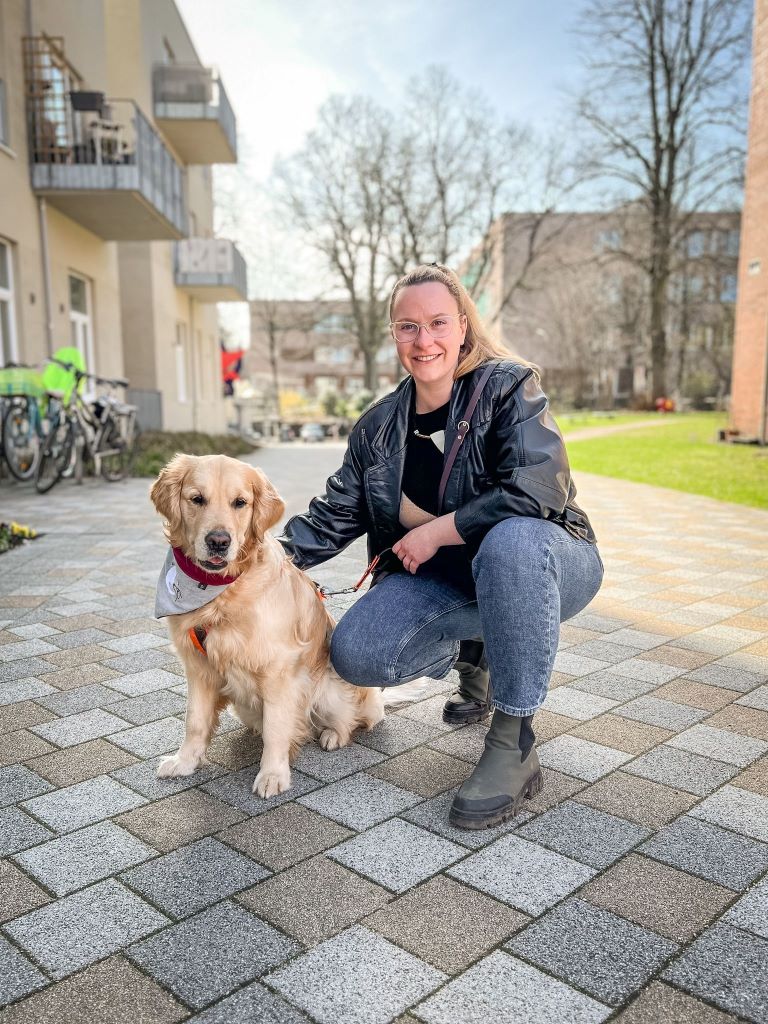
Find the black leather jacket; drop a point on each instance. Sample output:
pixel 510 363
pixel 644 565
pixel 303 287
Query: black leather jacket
pixel 512 463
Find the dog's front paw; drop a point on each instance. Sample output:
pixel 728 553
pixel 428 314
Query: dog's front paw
pixel 174 766
pixel 270 782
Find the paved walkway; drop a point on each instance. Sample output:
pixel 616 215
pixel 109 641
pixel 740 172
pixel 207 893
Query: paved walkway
pixel 633 889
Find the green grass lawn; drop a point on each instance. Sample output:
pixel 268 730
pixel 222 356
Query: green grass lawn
pixel 683 454
pixel 571 421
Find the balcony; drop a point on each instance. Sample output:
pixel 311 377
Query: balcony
pixel 192 110
pixel 211 270
pixel 109 171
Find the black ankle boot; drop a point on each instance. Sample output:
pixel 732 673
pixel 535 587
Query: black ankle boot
pixel 508 771
pixel 470 703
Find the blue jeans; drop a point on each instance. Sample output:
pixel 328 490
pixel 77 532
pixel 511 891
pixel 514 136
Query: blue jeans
pixel 529 576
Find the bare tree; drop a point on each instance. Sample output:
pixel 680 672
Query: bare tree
pixel 666 105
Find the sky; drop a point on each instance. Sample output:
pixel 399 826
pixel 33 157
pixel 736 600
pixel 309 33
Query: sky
pixel 280 59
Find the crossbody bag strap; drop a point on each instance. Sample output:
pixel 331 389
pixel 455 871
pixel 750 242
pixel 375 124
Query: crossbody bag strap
pixel 463 428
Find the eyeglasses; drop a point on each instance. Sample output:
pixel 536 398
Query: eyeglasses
pixel 405 331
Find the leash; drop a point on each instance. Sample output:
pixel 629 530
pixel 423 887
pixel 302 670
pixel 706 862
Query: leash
pixel 323 593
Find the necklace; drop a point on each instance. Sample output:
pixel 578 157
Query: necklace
pixel 437 438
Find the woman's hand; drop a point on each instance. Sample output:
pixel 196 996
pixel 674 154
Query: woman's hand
pixel 421 543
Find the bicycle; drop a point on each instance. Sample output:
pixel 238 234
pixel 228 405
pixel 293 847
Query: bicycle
pixel 23 418
pixel 103 432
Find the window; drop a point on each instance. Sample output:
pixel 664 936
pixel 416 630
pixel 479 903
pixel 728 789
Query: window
pixel 608 241
pixel 732 243
pixel 696 286
pixel 80 323
pixel 3 115
pixel 728 288
pixel 386 354
pixel 697 244
pixel 334 323
pixel 8 353
pixel 180 349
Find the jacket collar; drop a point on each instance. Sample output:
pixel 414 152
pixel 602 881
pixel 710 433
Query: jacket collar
pixel 392 435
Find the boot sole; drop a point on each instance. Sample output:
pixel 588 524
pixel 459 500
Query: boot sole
pixel 453 718
pixel 480 820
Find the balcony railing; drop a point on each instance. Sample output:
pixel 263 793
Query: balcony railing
pixel 211 270
pixel 109 170
pixel 192 109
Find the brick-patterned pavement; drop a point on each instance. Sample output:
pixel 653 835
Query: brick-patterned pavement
pixel 632 889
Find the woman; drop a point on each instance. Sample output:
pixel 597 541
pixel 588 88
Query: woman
pixel 506 558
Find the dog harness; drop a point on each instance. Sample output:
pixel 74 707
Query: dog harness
pixel 185 587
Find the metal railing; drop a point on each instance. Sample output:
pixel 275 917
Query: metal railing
pixel 210 262
pixel 190 90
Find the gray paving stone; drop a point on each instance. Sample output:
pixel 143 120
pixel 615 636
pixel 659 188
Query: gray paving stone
pixel 251 1004
pixel 25 649
pixel 18 831
pixel 503 990
pixel 29 688
pixel 428 712
pixel 80 929
pixel 581 758
pixel 84 698
pixel 665 713
pixel 135 643
pixel 24 669
pixel 80 638
pixel 612 685
pixel 720 744
pixel 136 683
pixel 584 833
pixel 738 810
pixel 84 804
pixel 650 671
pixel 331 765
pixel 286 834
pixel 522 874
pixel 729 676
pixel 757 699
pixel 74 729
pixel 19 783
pixel 234 946
pixel 34 631
pixel 149 740
pixel 565 700
pixel 433 815
pixel 397 854
pixel 186 881
pixel 726 966
pixel 18 977
pixel 140 664
pixel 142 776
pixel 681 769
pixel 237 789
pixel 150 707
pixel 395 734
pixel 605 955
pixel 359 801
pixel 74 861
pixel 714 853
pixel 326 980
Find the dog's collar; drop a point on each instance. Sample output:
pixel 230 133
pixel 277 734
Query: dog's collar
pixel 191 569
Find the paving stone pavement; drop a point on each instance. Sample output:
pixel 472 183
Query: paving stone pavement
pixel 634 888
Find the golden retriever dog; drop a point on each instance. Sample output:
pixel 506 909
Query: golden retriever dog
pixel 265 636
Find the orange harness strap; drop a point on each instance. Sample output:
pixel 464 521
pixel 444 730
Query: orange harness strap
pixel 197 635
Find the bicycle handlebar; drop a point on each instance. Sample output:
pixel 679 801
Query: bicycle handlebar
pixel 117 382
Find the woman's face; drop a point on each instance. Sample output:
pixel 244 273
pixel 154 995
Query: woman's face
pixel 430 361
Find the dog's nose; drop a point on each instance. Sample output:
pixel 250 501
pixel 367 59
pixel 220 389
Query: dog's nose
pixel 218 541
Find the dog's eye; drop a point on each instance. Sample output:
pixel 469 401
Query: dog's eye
pixel 198 500
pixel 239 503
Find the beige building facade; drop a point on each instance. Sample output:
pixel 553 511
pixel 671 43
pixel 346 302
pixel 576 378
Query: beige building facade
pixel 109 125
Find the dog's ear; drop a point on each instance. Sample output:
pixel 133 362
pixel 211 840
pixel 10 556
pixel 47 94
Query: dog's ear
pixel 268 506
pixel 166 491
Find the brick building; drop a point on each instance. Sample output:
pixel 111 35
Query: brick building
pixel 749 401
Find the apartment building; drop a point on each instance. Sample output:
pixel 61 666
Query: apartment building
pixel 311 347
pixel 749 405
pixel 109 127
pixel 565 290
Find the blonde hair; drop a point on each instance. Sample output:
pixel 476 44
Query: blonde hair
pixel 478 346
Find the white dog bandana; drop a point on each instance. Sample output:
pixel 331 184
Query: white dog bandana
pixel 184 586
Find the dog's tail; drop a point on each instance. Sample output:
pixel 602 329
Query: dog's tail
pixel 406 693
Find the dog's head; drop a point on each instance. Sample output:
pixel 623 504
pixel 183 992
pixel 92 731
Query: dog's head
pixel 217 509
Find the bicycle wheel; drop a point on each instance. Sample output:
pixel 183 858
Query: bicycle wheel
pixel 21 442
pixel 55 456
pixel 115 457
